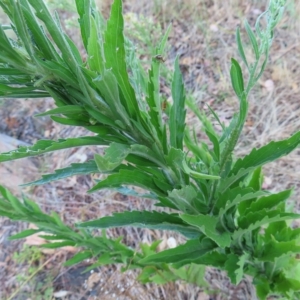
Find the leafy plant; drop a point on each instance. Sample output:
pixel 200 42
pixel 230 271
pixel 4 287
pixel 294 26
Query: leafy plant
pixel 218 202
pixel 32 256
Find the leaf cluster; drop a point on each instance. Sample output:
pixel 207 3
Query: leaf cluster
pixel 217 201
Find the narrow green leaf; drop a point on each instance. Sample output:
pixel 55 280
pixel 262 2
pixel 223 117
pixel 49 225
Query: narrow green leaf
pixel 144 219
pixel 67 109
pixel 84 11
pixel 128 177
pixel 70 122
pixel 91 97
pixel 252 39
pixel 153 97
pixel 19 208
pixel 88 167
pixel 21 27
pixel 237 78
pixel 108 86
pixel 58 245
pixel 59 71
pixel 214 139
pixel 44 146
pixel 214 258
pixel 41 41
pixel 10 71
pixel 177 112
pixel 77 258
pixel 207 225
pixel 32 206
pixel 21 92
pixel 240 47
pixel 95 51
pixel 259 157
pixel 74 50
pixel 185 253
pixel 24 234
pixel 115 57
pixel 54 28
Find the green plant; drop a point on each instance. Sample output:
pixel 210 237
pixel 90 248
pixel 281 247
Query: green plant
pixel 32 256
pixel 218 202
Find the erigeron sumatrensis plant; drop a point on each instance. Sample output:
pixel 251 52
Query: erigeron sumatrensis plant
pixel 218 202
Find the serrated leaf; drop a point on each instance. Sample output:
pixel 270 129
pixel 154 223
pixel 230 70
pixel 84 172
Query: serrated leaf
pixel 231 266
pixel 236 196
pixel 274 249
pixel 237 79
pixel 44 146
pixel 77 258
pixel 268 202
pixel 286 286
pixel 255 220
pixel 144 219
pixel 185 253
pixel 262 286
pixel 259 157
pixel 253 181
pixel 193 273
pixel 207 225
pixel 177 112
pixel 88 167
pixel 239 272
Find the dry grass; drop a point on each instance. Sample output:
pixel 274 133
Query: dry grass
pixel 203 37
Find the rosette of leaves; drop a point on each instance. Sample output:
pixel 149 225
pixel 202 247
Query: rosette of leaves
pixel 218 202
